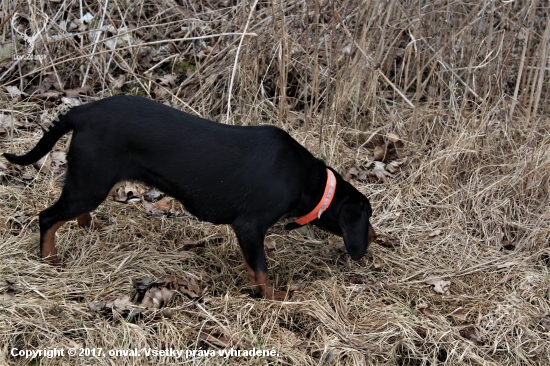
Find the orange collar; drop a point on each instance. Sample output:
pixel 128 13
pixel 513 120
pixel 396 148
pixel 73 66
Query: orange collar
pixel 322 206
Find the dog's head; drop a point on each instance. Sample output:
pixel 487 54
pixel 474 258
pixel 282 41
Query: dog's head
pixel 349 216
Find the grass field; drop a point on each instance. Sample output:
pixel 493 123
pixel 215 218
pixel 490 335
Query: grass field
pixel 458 95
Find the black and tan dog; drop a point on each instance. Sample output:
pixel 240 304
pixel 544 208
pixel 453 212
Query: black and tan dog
pixel 248 177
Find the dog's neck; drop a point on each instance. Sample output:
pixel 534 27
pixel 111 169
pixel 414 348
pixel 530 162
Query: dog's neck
pixel 324 203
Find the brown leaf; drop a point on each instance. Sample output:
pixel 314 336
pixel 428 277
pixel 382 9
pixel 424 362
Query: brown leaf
pixel 59 159
pixel 168 79
pixel 379 171
pixel 6 122
pixel 298 285
pixel 50 94
pixel 387 241
pixel 8 295
pixel 96 305
pixel 116 83
pixel 128 191
pixel 424 309
pixel 158 208
pixel 73 102
pixel 44 164
pixel 357 279
pixel 394 166
pixel 14 92
pixel 375 285
pixel 152 195
pixel 459 314
pixel 352 173
pixel 122 304
pixel 143 284
pixel 215 338
pixel 472 333
pixel 168 313
pixel 381 153
pixel 440 286
pixel 75 93
pixel 395 139
pixel 271 244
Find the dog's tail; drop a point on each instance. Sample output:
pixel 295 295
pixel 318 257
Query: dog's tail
pixel 60 126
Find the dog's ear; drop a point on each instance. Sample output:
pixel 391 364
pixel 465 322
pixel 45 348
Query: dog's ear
pixel 355 225
pixel 292 225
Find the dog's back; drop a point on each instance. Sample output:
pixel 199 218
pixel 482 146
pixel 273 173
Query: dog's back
pixel 199 162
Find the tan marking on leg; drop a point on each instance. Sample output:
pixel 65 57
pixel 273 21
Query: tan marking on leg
pixel 372 235
pixel 85 220
pixel 260 283
pixel 49 252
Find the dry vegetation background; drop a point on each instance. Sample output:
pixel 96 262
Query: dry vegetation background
pixel 462 85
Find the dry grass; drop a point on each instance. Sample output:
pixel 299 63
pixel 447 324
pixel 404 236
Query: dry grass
pixel 464 84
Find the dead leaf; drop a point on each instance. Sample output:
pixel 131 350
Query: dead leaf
pixel 151 195
pixel 168 313
pixel 73 102
pixel 424 309
pixel 96 305
pixel 472 333
pixel 459 314
pixel 143 284
pixel 7 121
pixel 440 286
pixel 160 92
pixel 379 171
pixel 73 93
pixel 357 279
pixel 387 241
pixel 381 153
pixel 298 285
pixel 352 172
pixel 14 92
pixel 168 79
pixel 158 208
pixel 215 337
pixel 117 83
pixel 271 244
pixel 122 304
pixel 44 164
pixel 59 160
pixel 50 94
pixel 395 139
pixel 128 191
pixel 394 166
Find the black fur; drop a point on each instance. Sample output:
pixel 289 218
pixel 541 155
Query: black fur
pixel 249 177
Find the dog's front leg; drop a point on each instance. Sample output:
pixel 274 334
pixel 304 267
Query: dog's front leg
pixel 251 241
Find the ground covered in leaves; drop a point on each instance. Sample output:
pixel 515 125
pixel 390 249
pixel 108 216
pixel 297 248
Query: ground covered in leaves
pixel 438 113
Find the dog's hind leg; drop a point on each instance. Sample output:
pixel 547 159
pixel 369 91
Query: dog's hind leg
pixel 85 220
pixel 251 241
pixel 78 198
